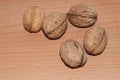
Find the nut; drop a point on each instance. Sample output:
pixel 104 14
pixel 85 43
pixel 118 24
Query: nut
pixel 72 54
pixel 95 40
pixel 33 19
pixel 55 25
pixel 82 16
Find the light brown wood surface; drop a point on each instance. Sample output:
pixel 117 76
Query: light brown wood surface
pixel 26 56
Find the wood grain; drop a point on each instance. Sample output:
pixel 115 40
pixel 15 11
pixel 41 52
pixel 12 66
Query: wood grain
pixel 25 56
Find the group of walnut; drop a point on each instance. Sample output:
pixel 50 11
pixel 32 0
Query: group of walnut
pixel 55 25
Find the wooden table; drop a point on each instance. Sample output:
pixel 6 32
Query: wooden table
pixel 31 56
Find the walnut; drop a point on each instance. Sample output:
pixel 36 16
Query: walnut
pixel 82 16
pixel 95 40
pixel 72 54
pixel 33 19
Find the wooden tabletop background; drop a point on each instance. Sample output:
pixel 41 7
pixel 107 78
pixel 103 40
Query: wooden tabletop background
pixel 31 56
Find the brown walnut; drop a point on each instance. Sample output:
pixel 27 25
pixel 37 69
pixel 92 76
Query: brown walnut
pixel 55 25
pixel 33 19
pixel 72 54
pixel 95 40
pixel 82 16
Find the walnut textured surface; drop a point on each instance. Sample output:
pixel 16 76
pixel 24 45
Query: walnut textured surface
pixel 95 40
pixel 82 16
pixel 55 25
pixel 33 19
pixel 72 53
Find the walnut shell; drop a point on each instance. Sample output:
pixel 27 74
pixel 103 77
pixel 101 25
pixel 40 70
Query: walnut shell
pixel 82 16
pixel 72 54
pixel 95 40
pixel 55 25
pixel 33 19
